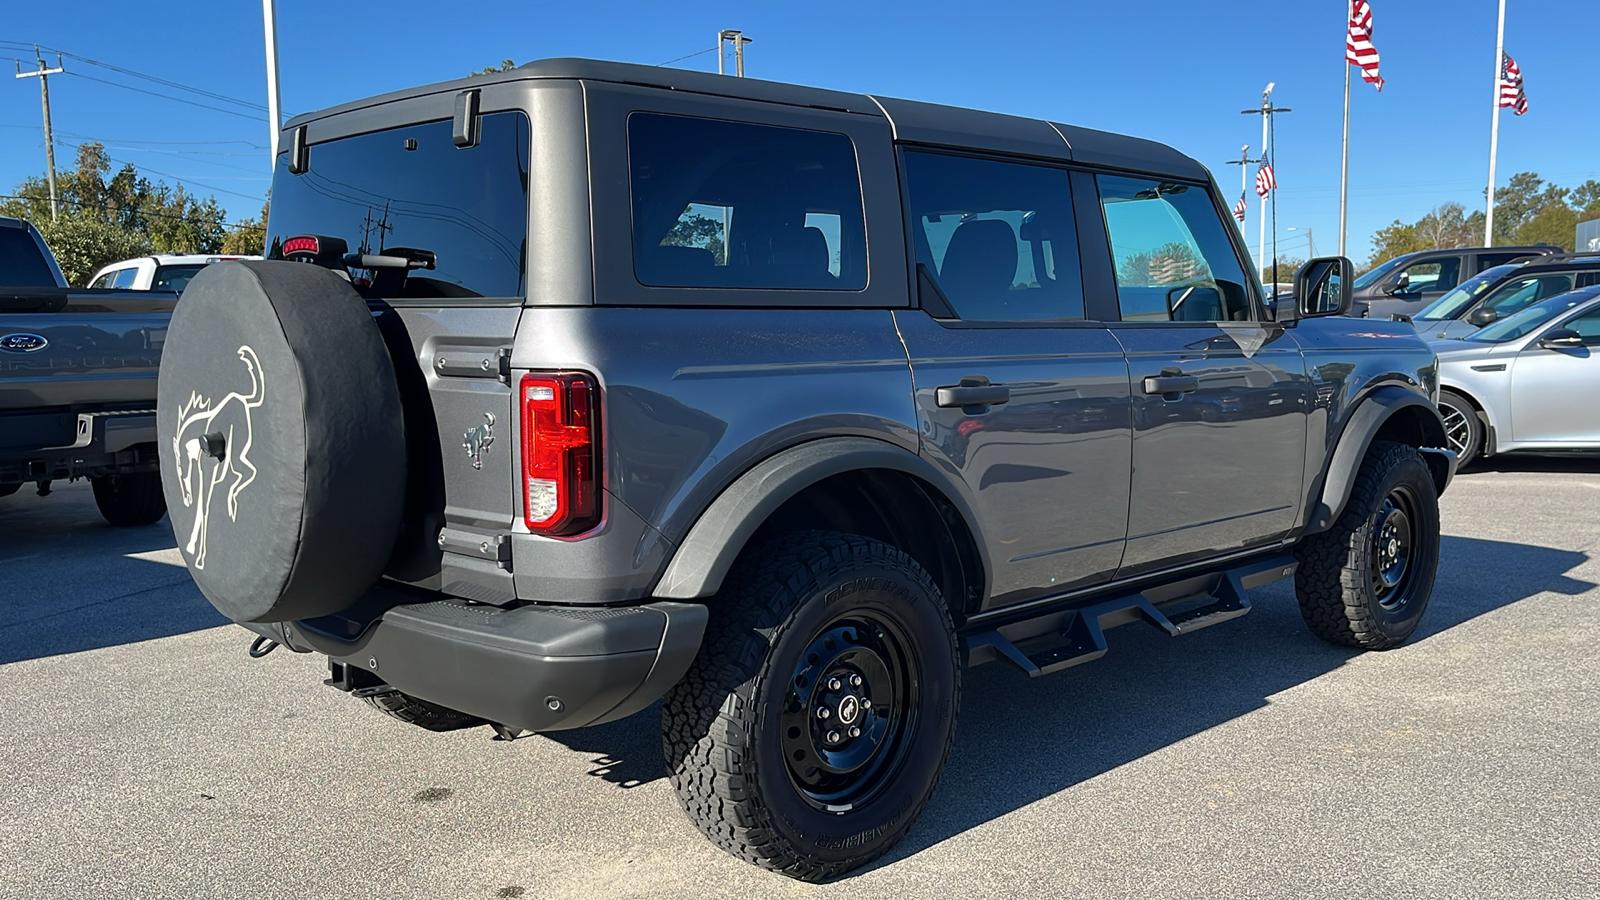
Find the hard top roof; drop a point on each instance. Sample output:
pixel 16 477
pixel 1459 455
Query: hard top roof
pixel 912 121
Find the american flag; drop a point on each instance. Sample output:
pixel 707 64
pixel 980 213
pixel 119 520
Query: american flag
pixel 1265 181
pixel 1358 49
pixel 1171 270
pixel 1238 209
pixel 1512 93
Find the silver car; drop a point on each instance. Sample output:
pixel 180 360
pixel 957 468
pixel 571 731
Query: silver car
pixel 1526 382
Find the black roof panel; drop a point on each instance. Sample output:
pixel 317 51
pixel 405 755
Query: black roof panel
pixel 954 126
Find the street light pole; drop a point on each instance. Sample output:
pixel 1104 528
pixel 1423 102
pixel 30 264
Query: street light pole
pixel 1269 157
pixel 739 40
pixel 1310 239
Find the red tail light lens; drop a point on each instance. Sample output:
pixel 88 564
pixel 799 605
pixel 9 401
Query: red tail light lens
pixel 560 453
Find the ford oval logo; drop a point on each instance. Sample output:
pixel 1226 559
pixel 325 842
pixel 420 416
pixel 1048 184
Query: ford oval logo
pixel 23 343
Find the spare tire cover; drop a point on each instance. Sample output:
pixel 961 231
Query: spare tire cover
pixel 281 439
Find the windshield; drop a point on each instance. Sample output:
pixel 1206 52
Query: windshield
pixel 1532 317
pixel 1459 299
pixel 1372 278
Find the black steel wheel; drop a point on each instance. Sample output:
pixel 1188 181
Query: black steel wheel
pixel 814 725
pixel 1463 429
pixel 1366 581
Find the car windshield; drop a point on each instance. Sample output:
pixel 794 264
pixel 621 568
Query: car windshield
pixel 1459 299
pixel 1532 317
pixel 1371 278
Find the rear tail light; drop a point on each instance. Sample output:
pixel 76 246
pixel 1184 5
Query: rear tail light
pixel 560 453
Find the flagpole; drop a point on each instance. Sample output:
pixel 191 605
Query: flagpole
pixel 1494 129
pixel 1244 173
pixel 1261 242
pixel 1344 155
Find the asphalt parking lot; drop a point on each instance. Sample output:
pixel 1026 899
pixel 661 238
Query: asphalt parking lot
pixel 145 755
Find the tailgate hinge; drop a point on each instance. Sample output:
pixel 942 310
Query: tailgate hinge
pixel 505 365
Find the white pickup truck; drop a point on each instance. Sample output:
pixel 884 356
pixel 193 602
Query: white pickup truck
pixel 155 273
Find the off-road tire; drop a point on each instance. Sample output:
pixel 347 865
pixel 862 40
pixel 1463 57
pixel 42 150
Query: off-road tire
pixel 1335 582
pixel 1468 421
pixel 726 723
pixel 421 713
pixel 128 501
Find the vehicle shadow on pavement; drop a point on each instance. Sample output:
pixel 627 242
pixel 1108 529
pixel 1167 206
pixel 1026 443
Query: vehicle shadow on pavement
pixel 1020 739
pixel 74 583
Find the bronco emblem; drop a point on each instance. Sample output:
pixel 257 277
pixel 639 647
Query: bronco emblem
pixel 212 446
pixel 477 441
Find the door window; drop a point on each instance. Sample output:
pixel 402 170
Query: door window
pixel 1521 293
pixel 103 281
pixel 124 278
pixel 1490 260
pixel 1587 325
pixel 1174 261
pixel 997 238
pixel 1433 275
pixel 736 205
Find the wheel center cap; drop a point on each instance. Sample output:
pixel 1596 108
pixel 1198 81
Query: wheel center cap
pixel 849 709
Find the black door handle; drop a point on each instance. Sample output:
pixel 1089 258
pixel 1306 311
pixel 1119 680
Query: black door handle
pixel 974 394
pixel 1171 381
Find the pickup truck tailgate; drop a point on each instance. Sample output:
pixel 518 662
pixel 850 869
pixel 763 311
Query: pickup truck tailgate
pixel 62 348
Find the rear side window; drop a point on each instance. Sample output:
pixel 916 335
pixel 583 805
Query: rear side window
pixel 174 278
pixel 411 188
pixel 21 262
pixel 1173 259
pixel 733 205
pixel 997 238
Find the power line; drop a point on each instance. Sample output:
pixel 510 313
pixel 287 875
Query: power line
pixel 690 56
pixel 151 78
pixel 129 87
pixel 181 180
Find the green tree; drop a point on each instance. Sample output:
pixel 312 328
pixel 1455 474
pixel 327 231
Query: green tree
pixel 1556 223
pixel 248 238
pixel 1287 266
pixel 506 65
pixel 83 245
pixel 96 202
pixel 698 231
pixel 1393 240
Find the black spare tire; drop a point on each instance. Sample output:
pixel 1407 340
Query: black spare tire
pixel 281 439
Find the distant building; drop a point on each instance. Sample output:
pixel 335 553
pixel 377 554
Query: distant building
pixel 1588 236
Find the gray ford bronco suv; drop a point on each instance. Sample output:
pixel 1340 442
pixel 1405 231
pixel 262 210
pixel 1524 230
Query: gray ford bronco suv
pixel 585 385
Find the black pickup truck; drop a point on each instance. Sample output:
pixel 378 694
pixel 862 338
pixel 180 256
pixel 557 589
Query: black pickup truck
pixel 78 381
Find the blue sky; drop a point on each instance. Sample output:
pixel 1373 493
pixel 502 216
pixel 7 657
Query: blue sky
pixel 1178 72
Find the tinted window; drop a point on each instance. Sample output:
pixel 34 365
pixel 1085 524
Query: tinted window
pixel 124 278
pixel 1459 298
pixel 412 188
pixel 1173 259
pixel 1433 275
pixel 998 238
pixel 21 263
pixel 1519 293
pixel 1490 260
pixel 1528 318
pixel 734 205
pixel 1587 325
pixel 174 278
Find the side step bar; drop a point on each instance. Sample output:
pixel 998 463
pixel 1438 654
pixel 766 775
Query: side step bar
pixel 1076 636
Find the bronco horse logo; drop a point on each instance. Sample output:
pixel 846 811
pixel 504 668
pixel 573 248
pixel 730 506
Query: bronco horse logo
pixel 212 446
pixel 477 441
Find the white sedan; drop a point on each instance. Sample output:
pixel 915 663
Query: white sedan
pixel 1527 382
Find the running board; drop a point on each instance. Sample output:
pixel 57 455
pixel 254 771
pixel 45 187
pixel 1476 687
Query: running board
pixel 1080 636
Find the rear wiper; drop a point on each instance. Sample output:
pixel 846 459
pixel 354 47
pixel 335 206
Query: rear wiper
pixel 390 267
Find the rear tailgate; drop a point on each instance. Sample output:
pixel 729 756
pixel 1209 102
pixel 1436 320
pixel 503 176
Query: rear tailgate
pixel 64 351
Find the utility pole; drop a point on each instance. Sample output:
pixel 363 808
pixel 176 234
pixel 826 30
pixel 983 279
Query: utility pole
pixel 269 15
pixel 1494 130
pixel 43 74
pixel 1268 157
pixel 739 40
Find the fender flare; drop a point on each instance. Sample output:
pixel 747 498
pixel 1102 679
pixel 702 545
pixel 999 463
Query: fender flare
pixel 1369 417
pixel 717 537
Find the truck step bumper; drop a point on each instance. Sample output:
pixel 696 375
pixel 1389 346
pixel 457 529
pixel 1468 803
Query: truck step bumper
pixel 540 668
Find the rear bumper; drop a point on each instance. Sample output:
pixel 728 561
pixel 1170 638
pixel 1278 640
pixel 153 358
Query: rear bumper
pixel 98 443
pixel 542 668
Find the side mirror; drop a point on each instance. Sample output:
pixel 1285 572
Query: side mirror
pixel 1561 339
pixel 1482 316
pixel 1194 303
pixel 1322 287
